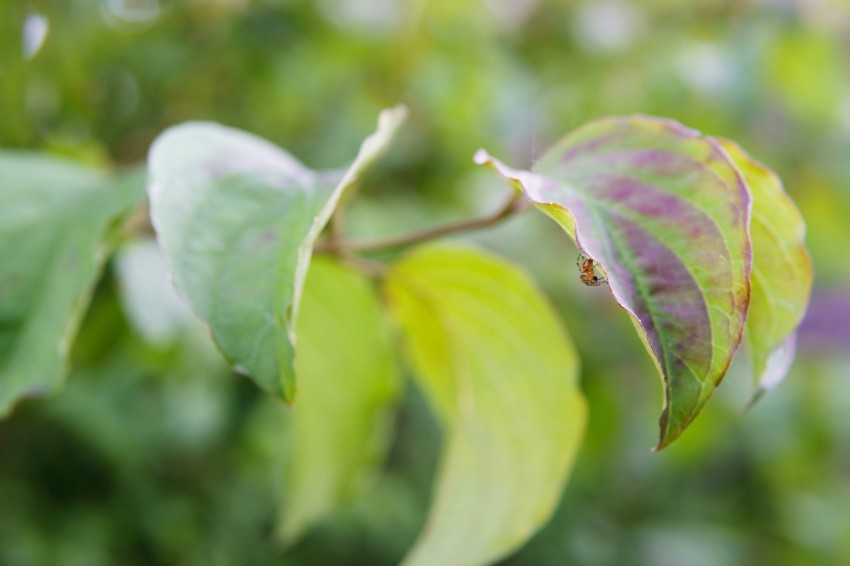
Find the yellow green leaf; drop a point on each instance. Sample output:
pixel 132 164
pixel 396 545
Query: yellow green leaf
pixel 501 373
pixel 348 380
pixel 781 273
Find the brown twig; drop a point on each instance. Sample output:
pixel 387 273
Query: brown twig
pixel 336 245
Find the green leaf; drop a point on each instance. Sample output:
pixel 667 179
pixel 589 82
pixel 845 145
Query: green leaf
pixel 58 224
pixel 781 274
pixel 348 384
pixel 665 212
pixel 501 374
pixel 237 218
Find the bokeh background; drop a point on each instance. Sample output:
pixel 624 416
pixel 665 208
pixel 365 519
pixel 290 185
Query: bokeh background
pixel 154 453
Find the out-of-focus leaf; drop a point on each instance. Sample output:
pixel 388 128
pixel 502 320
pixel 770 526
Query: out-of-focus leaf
pixel 237 218
pixel 57 226
pixel 148 298
pixel 501 374
pixel 665 212
pixel 781 276
pixel 348 381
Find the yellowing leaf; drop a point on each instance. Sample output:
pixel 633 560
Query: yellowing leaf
pixel 501 374
pixel 348 380
pixel 781 273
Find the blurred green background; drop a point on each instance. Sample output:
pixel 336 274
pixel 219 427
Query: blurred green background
pixel 154 453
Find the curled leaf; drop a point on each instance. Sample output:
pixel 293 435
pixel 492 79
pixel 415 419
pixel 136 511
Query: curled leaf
pixel 665 212
pixel 781 274
pixel 237 218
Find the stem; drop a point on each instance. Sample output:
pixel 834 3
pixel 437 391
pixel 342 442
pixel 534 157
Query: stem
pixel 368 267
pixel 512 205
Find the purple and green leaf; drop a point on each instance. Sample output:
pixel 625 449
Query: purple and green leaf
pixel 666 213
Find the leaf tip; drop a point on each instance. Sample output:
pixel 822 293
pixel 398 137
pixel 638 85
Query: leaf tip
pixel 392 116
pixel 668 433
pixel 666 439
pixel 481 157
pixel 288 391
pixel 754 398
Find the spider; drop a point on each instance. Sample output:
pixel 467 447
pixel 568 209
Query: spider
pixel 587 268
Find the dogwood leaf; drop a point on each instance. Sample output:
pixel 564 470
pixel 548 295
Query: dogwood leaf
pixel 348 382
pixel 237 218
pixel 781 274
pixel 501 374
pixel 665 212
pixel 58 224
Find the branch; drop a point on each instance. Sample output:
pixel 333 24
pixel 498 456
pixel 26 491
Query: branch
pixel 514 204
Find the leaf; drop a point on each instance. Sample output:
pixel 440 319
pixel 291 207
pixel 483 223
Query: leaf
pixel 501 374
pixel 348 383
pixel 150 303
pixel 58 224
pixel 781 273
pixel 665 212
pixel 237 218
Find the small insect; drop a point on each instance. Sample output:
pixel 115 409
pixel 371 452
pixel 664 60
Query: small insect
pixel 587 271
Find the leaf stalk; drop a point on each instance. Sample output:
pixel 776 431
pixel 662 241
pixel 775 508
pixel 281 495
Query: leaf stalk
pixel 338 245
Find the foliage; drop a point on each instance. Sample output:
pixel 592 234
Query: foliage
pixel 58 227
pixel 500 372
pixel 341 423
pixel 237 217
pixel 665 211
pixel 155 453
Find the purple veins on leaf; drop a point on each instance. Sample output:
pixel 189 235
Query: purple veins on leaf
pixel 665 212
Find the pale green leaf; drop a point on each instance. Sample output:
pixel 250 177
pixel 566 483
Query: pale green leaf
pixel 348 383
pixel 57 227
pixel 237 218
pixel 150 303
pixel 781 273
pixel 501 374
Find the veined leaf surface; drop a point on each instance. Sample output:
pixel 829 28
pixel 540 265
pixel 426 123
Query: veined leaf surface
pixel 665 212
pixel 781 274
pixel 501 374
pixel 57 221
pixel 348 382
pixel 237 218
